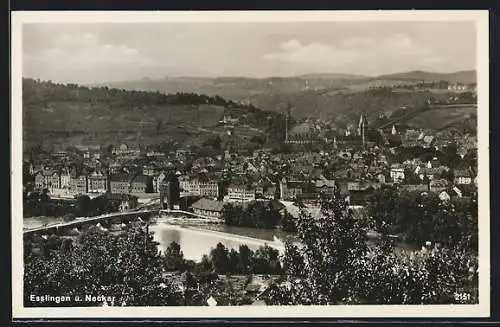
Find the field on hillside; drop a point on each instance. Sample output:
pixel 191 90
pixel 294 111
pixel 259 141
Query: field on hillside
pixel 81 116
pixel 350 104
pixel 441 118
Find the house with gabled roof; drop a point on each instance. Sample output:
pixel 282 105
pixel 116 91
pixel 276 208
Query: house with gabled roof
pixel 208 208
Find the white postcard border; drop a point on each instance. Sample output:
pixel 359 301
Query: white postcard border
pixel 480 17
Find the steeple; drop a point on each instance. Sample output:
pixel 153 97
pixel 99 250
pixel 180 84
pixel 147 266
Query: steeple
pixel 361 128
pixel 288 114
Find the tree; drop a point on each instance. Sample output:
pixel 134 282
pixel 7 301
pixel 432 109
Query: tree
pixel 288 223
pixel 233 260
pixel 411 177
pixel 450 155
pixel 66 246
pixel 382 207
pixel 328 245
pixel 219 258
pixel 174 258
pixel 126 266
pixel 205 265
pixel 84 205
pixel 245 259
pixel 266 261
pixel 421 217
pixel 69 217
pixel 332 264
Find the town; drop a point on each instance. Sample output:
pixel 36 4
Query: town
pixel 396 187
pixel 316 161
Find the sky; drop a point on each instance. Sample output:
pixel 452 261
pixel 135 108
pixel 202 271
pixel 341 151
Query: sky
pixel 96 52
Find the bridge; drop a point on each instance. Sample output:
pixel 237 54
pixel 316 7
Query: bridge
pixel 121 216
pixel 125 216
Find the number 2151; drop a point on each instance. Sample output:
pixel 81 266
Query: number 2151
pixel 462 297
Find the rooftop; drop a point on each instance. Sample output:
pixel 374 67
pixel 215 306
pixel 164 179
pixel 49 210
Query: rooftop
pixel 207 204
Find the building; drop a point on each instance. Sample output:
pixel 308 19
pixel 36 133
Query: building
pixel 397 173
pixel 359 192
pixel 290 189
pixel 414 187
pixel 79 184
pixel 157 180
pixel 120 184
pixel 325 187
pixel 209 189
pixel 428 140
pixel 125 151
pixel 208 208
pixel 142 184
pixel 240 192
pixel 97 182
pixel 462 177
pixel 188 186
pixel 304 133
pixel 65 178
pixel 149 170
pixel 155 154
pixel 198 187
pixel 170 192
pixel 126 201
pixel 63 155
pixel 265 190
pixel 458 87
pixel 431 173
pixel 49 179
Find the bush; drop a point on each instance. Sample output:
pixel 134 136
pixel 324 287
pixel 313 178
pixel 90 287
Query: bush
pixel 69 217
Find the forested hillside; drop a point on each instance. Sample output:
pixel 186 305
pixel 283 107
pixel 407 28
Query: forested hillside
pixel 107 115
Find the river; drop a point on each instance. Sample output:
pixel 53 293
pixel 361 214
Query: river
pixel 195 241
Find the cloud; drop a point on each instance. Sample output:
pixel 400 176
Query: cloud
pixel 84 51
pixel 355 55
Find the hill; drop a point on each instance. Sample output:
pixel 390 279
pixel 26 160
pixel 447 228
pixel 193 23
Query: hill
pixel 101 115
pixel 234 88
pixel 333 76
pixel 465 77
pixel 329 96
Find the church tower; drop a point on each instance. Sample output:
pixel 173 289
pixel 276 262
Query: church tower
pixel 287 118
pixel 361 128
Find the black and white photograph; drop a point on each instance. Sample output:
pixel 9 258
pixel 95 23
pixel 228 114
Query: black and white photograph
pixel 250 164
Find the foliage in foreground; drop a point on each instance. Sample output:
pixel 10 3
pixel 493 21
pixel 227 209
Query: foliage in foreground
pixel 129 267
pixel 333 265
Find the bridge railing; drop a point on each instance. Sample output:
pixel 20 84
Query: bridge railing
pixel 189 213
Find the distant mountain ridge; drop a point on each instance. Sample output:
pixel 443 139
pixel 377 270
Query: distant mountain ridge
pixel 333 76
pixel 465 76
